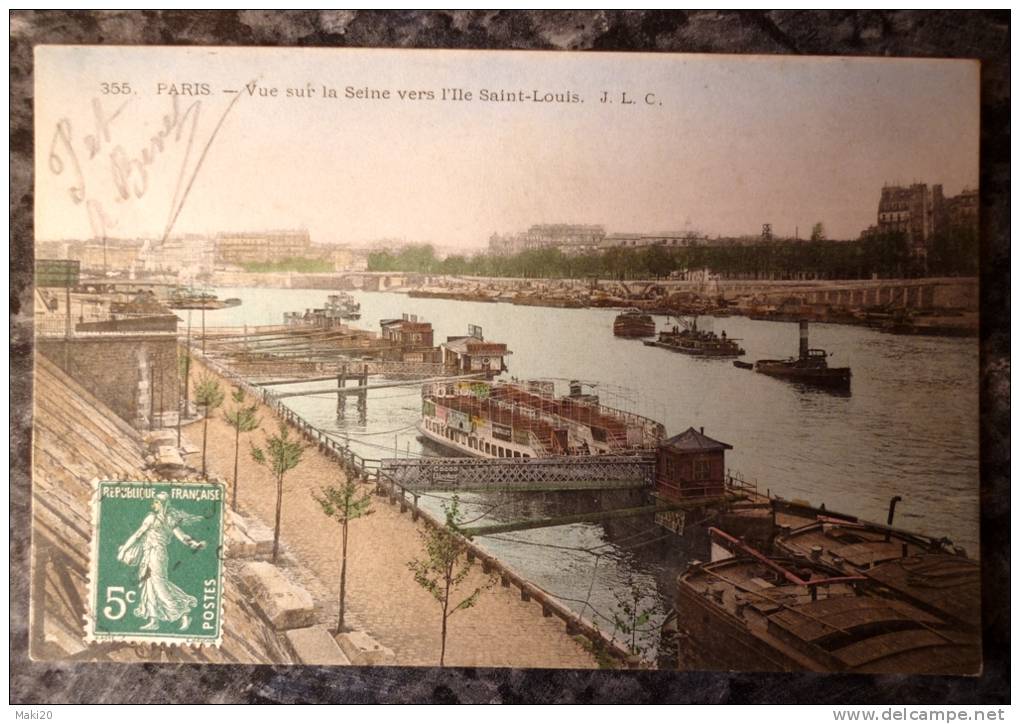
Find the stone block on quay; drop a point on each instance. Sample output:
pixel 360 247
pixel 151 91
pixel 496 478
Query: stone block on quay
pixel 260 534
pixel 160 438
pixel 315 645
pixel 169 462
pixel 284 604
pixel 363 650
pixel 238 544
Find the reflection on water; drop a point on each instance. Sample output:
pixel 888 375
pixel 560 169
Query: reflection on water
pixel 909 428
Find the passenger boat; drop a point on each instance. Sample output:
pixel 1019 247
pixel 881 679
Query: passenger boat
pixel 753 612
pixel 698 342
pixel 342 306
pixel 634 323
pixel 811 367
pixel 527 420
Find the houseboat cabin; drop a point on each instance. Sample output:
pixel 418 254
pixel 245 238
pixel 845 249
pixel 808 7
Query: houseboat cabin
pixel 691 465
pixel 469 355
pixel 407 332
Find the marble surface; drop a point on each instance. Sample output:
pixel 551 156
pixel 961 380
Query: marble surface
pixel 983 35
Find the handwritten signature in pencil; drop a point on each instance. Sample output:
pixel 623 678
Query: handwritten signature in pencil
pixel 129 172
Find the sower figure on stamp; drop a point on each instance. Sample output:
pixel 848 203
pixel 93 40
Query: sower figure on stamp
pixel 159 599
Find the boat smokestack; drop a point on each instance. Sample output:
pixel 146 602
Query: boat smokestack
pixel 803 338
pixel 892 514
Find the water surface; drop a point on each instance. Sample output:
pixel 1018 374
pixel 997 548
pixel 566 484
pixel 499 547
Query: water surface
pixel 909 428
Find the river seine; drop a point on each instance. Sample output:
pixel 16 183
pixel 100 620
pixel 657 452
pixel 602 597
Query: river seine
pixel 909 428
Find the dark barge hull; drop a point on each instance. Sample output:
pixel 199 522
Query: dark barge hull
pixel 711 641
pixel 697 352
pixel 455 296
pixel 634 329
pixel 633 333
pixel 834 378
pixel 548 302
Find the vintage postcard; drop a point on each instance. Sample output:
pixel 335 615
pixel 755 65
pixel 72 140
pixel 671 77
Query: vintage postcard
pixel 506 359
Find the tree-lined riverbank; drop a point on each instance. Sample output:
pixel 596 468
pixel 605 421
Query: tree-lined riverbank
pixel 382 597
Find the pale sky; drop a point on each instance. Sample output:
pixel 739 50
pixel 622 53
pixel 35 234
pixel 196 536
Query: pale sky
pixel 737 141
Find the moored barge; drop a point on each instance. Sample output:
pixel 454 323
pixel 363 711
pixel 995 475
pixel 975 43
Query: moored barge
pixel 795 613
pixel 181 298
pixel 929 573
pixel 697 342
pixel 634 323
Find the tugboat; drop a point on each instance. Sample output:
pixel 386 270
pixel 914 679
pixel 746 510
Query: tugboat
pixel 810 367
pixel 694 341
pixel 634 323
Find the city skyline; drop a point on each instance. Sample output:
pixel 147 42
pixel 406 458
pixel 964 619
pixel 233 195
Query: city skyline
pixel 737 142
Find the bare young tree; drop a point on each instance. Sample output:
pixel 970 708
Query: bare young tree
pixel 242 418
pixel 343 503
pixel 208 394
pixel 441 573
pixel 283 453
pixel 632 615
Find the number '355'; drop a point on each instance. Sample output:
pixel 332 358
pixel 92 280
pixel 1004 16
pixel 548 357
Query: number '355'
pixel 122 88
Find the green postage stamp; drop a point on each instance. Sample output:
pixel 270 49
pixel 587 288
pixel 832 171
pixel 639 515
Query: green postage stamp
pixel 156 563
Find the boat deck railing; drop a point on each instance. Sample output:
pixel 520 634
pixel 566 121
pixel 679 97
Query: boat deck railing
pixel 736 482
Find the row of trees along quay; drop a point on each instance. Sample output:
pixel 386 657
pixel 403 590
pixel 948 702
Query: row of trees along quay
pixel 448 553
pixel 442 571
pixel 953 252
